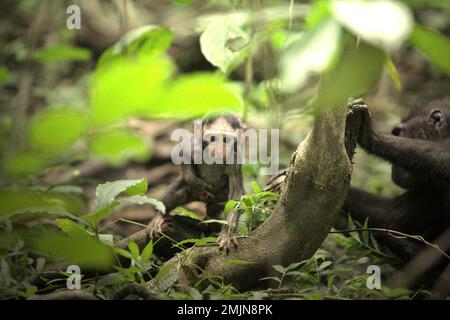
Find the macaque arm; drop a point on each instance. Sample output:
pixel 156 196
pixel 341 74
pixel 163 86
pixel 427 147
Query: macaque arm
pixel 362 205
pixel 430 157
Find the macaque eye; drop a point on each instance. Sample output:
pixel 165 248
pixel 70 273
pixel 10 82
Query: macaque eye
pixel 213 138
pixel 436 117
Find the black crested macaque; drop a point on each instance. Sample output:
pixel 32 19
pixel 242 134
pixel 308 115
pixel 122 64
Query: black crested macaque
pixel 212 183
pixel 419 151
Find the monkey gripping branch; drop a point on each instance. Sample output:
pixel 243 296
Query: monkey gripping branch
pixel 313 194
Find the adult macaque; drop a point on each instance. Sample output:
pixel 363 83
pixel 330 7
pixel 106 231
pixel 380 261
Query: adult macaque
pixel 419 150
pixel 211 172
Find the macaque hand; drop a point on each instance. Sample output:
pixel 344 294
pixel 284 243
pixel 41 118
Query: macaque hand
pixel 227 241
pixel 198 184
pixel 156 225
pixel 366 134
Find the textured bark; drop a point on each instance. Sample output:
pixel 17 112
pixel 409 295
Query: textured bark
pixel 312 196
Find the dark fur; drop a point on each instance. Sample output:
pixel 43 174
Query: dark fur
pixel 419 150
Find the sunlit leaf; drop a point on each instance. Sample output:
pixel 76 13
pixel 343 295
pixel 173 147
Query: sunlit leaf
pixel 382 23
pixel 83 251
pixel 147 252
pixel 57 128
pixel 147 200
pixel 134 249
pixel 96 217
pixel 143 41
pixel 24 163
pixel 196 94
pixel 119 146
pixel 324 265
pixel 433 45
pixel 390 67
pixel 310 55
pixel 62 53
pixel 186 213
pixel 128 87
pixel 357 72
pixel 72 228
pixel 20 201
pixel 216 42
pixel 107 192
pixel 319 12
pixel 4 74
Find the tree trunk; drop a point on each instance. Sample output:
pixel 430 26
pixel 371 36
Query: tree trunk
pixel 313 194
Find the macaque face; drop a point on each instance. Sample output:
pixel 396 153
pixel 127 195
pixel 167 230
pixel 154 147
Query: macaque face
pixel 220 139
pixel 429 122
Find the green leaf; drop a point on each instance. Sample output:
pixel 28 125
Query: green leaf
pixel 107 192
pixel 383 23
pixel 432 44
pixel 320 11
pixel 143 41
pixel 147 252
pixel 353 76
pixel 87 252
pixel 106 238
pixel 134 249
pixel 96 217
pixel 224 222
pixel 195 94
pixel 279 268
pixel 146 200
pixel 256 187
pixel 186 213
pixel 127 88
pixel 324 265
pixel 293 266
pixel 198 242
pixel 392 70
pixel 230 205
pixel 215 42
pixel 4 74
pixel 194 293
pixel 123 252
pixel 311 54
pixel 72 228
pixel 25 163
pixel 267 196
pixel 118 146
pixel 57 129
pixel 62 53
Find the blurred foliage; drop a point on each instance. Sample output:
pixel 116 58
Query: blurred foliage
pixel 67 96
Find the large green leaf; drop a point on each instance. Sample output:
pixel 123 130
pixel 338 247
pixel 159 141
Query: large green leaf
pixel 146 200
pixel 23 201
pixel 24 163
pixel 119 146
pixel 216 39
pixel 143 41
pixel 128 87
pixel 87 252
pixel 433 45
pixel 382 23
pixel 196 94
pixel 62 53
pixel 107 192
pixel 356 73
pixel 311 54
pixel 57 129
